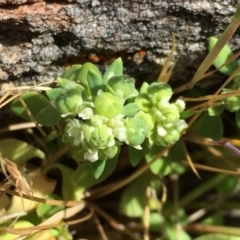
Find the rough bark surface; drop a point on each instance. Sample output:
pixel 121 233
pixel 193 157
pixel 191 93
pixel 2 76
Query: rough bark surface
pixel 39 38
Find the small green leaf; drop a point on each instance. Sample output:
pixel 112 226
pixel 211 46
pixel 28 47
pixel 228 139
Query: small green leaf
pixel 94 79
pixel 115 69
pixel 46 210
pixel 216 111
pixel 70 191
pixel 53 93
pixel 40 107
pixel 98 168
pixel 84 177
pixel 215 219
pixel 19 151
pixel 108 105
pixel 186 114
pixel 123 86
pixel 222 57
pixel 208 126
pixel 162 165
pixel 172 233
pixel 130 109
pixel 133 199
pixel 73 73
pixel 90 78
pixel 48 117
pixel 135 155
pixel 228 185
pixel 156 221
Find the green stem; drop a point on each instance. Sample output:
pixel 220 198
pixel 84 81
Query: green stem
pixel 229 231
pixel 197 192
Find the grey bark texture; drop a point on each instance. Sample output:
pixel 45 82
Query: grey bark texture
pixel 39 38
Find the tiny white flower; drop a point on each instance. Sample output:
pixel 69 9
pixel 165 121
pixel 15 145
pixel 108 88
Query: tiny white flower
pixel 168 124
pixel 164 102
pixel 139 147
pixel 91 155
pixel 86 113
pixel 118 128
pixel 65 115
pixel 161 131
pixel 180 104
pixel 181 125
pixel 111 142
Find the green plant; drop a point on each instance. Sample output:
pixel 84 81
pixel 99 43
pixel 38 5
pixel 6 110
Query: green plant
pixel 100 113
pixel 87 120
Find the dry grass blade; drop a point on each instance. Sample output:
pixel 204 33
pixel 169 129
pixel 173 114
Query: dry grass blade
pixel 42 200
pixel 190 162
pixel 114 224
pixel 10 94
pixel 30 115
pixel 18 126
pixel 166 71
pixel 226 35
pixel 16 176
pixel 51 222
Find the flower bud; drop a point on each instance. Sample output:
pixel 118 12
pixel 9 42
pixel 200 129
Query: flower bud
pixel 137 131
pixel 159 92
pixel 108 105
pixel 109 153
pixel 70 99
pixel 101 137
pixel 147 118
pixel 232 103
pixel 124 87
pixel 170 137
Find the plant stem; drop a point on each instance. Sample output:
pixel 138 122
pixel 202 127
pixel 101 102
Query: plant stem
pixel 215 180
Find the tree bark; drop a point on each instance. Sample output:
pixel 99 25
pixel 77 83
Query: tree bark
pixel 38 39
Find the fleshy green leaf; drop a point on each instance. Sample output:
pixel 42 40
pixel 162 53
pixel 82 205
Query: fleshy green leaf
pixel 172 233
pixel 162 165
pixel 70 191
pixel 222 57
pixel 19 151
pixel 48 117
pixel 123 86
pixel 208 126
pixel 108 105
pixel 94 79
pixel 84 177
pixel 98 168
pixel 115 69
pixel 133 199
pixel 82 75
pixel 53 93
pixel 156 221
pixel 135 155
pixel 216 111
pixel 228 185
pixel 216 219
pixel 40 107
pixel 46 210
pixel 186 114
pixel 130 109
pixel 73 73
